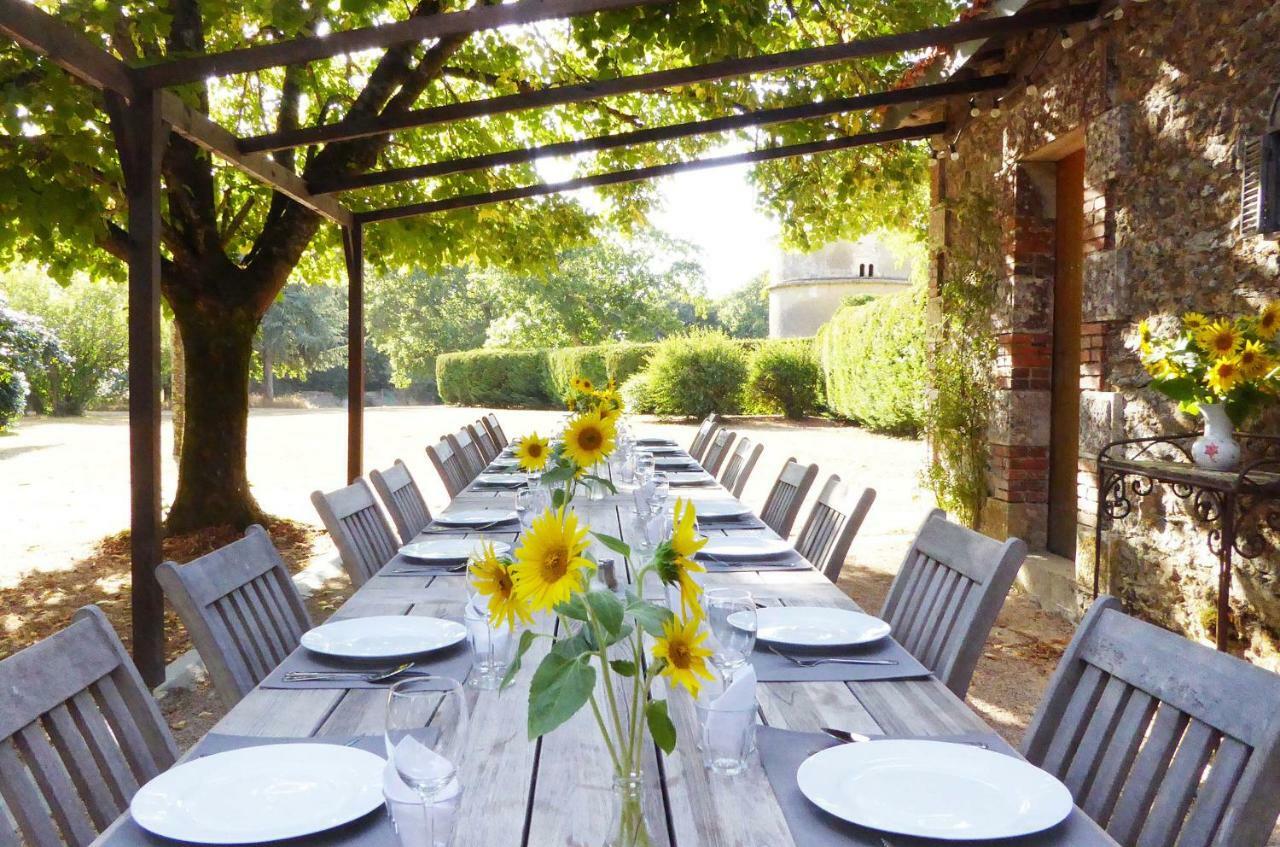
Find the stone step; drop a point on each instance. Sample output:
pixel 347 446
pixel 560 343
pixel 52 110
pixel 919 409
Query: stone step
pixel 1050 580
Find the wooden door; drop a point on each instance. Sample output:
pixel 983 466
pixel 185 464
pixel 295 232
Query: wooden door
pixel 1064 451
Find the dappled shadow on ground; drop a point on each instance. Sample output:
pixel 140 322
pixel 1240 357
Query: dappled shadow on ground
pixel 43 601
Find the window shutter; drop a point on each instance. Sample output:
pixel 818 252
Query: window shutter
pixel 1251 187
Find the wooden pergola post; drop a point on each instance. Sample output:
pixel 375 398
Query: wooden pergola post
pixel 353 247
pixel 141 137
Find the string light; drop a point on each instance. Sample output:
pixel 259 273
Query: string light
pixel 955 154
pixel 974 111
pixel 1032 89
pixel 995 107
pixel 1117 13
pixel 1067 41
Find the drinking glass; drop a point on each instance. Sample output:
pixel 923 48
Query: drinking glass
pixel 728 735
pixel 526 498
pixel 645 465
pixel 492 647
pixel 661 493
pixel 418 824
pixel 426 737
pixel 648 532
pixel 731 617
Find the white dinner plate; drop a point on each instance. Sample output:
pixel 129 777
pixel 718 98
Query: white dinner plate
pixel 450 549
pixel 689 477
pixel 383 637
pixel 722 509
pixel 655 442
pixel 475 517
pixel 932 789
pixel 816 626
pixel 745 547
pixel 502 478
pixel 259 794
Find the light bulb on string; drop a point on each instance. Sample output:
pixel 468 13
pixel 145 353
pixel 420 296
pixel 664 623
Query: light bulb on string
pixel 1067 41
pixel 1032 89
pixel 954 153
pixel 995 107
pixel 974 111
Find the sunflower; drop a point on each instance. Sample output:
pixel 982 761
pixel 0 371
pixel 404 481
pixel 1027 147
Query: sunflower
pixel 1164 369
pixel 681 645
pixel 491 578
pixel 1224 374
pixel 1220 339
pixel 675 562
pixel 589 438
pixel 549 562
pixel 582 384
pixel 1269 320
pixel 1194 320
pixel 1254 361
pixel 1144 337
pixel 532 452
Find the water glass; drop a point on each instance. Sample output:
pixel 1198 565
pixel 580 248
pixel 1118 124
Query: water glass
pixel 492 647
pixel 728 736
pixel 731 617
pixel 645 466
pixel 419 824
pixel 426 733
pixel 526 497
pixel 648 532
pixel 661 493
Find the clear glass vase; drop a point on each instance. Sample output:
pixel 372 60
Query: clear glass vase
pixel 630 827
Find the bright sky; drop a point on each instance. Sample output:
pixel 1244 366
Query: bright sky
pixel 716 210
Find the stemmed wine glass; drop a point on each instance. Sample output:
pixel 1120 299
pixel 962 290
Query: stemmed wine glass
pixel 426 735
pixel 731 616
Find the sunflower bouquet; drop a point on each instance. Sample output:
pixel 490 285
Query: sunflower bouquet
pixel 1232 361
pixel 599 637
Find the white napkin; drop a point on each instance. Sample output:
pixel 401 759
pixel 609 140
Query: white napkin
pixel 412 819
pixel 723 722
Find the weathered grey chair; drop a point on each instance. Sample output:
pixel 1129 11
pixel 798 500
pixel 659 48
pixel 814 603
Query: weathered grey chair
pixel 720 446
pixel 465 446
pixel 702 438
pixel 402 499
pixel 740 464
pixel 945 598
pixel 79 732
pixel 484 443
pixel 788 493
pixel 242 609
pixel 452 468
pixel 358 528
pixel 833 521
pixel 1161 741
pixel 494 429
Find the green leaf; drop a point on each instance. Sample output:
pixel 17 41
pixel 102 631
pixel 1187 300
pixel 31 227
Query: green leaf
pixel 608 484
pixel 561 686
pixel 526 641
pixel 660 725
pixel 622 667
pixel 608 609
pixel 558 474
pixel 558 498
pixel 575 608
pixel 649 616
pixel 617 545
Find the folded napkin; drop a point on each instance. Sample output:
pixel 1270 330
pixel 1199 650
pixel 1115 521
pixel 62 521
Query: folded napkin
pixel 771 667
pixel 722 726
pixel 783 751
pixel 452 661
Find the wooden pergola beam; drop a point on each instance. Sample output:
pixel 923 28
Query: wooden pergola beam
pixel 745 120
pixel 70 50
pixel 651 172
pixel 309 49
pixel 561 95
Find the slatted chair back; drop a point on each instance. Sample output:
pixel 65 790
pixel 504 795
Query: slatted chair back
pixel 484 442
pixel 1162 741
pixel 465 446
pixel 494 429
pixel 452 468
pixel 740 464
pixel 241 608
pixel 402 499
pixel 945 598
pixel 702 438
pixel 788 493
pixel 719 448
pixel 833 521
pixel 79 733
pixel 358 528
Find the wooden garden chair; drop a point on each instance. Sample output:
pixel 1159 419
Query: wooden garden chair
pixel 358 528
pixel 465 446
pixel 484 443
pixel 79 733
pixel 450 465
pixel 491 425
pixel 833 521
pixel 402 499
pixel 241 608
pixel 785 498
pixel 1160 740
pixel 945 598
pixel 720 447
pixel 741 462
pixel 702 438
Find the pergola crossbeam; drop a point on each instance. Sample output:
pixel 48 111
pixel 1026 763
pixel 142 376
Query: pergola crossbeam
pixel 425 27
pixel 42 33
pixel 763 117
pixel 651 172
pixel 653 81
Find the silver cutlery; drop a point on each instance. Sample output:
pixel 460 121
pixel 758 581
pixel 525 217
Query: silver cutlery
pixel 857 737
pixel 477 528
pixel 338 676
pixel 829 660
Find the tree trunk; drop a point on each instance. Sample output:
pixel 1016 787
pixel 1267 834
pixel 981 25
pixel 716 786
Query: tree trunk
pixel 268 378
pixel 178 389
pixel 213 482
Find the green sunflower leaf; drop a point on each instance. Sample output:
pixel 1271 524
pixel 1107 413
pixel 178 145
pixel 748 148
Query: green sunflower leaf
pixel 649 616
pixel 526 641
pixel 617 545
pixel 660 725
pixel 608 610
pixel 622 667
pixel 560 687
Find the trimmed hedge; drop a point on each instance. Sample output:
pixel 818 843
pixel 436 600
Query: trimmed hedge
pixel 495 378
pixel 873 363
pixel 637 394
pixel 630 357
pixel 697 374
pixel 783 376
pixel 567 362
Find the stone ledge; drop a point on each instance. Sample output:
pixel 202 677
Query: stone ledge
pixel 1050 580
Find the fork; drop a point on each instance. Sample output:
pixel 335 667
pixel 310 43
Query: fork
pixel 336 676
pixel 814 662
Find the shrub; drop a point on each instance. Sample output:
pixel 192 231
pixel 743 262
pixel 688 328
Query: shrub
pixel 567 362
pixel 13 396
pixel 637 394
pixel 697 374
pixel 623 360
pixel 783 376
pixel 495 378
pixel 873 365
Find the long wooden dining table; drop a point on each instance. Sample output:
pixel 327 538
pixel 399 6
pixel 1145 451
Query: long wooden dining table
pixel 558 790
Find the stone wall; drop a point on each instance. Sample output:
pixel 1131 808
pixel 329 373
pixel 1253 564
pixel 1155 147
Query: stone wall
pixel 1158 101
